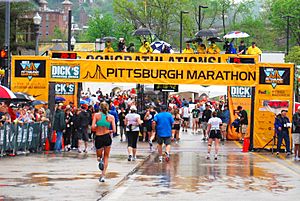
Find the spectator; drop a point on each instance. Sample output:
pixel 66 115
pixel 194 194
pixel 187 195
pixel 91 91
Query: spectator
pixel 84 121
pixel 121 45
pixel 253 50
pixel 59 127
pixel 296 133
pixel 201 49
pixel 213 49
pixel 122 115
pixel 146 48
pixel 131 48
pixel 188 49
pixel 282 125
pixel 242 48
pixel 108 48
pixel 69 128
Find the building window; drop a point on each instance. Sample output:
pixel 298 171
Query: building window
pixel 47 33
pixel 47 17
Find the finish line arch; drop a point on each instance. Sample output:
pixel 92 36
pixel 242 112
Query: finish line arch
pixel 271 82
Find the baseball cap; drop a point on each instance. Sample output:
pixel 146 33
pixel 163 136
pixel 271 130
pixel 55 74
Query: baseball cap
pixel 133 107
pixel 164 107
pixel 60 104
pixel 284 111
pixel 298 108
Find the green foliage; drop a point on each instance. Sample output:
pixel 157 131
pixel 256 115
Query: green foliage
pixel 277 9
pixel 58 34
pixel 293 56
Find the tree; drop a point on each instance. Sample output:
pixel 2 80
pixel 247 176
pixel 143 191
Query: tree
pixel 277 9
pixel 58 34
pixel 293 56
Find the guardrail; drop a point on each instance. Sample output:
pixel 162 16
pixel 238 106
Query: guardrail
pixel 23 138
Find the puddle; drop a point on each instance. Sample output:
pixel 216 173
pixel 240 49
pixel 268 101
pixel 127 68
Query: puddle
pixel 191 172
pixel 45 179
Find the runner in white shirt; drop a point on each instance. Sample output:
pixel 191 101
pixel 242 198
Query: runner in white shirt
pixel 214 133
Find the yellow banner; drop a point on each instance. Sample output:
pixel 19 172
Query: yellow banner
pixel 238 96
pixel 152 72
pixel 273 93
pixel 181 58
pixel 29 75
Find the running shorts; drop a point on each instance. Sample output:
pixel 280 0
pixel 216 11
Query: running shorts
pixel 204 126
pixel 102 141
pixel 215 134
pixel 186 118
pixel 176 127
pixel 163 140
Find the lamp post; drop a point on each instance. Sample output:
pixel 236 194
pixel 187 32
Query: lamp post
pixel 37 21
pixel 181 13
pixel 287 32
pixel 200 15
pixel 73 42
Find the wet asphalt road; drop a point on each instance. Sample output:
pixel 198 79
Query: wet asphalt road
pixel 187 176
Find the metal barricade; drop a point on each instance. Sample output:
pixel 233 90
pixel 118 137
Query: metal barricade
pixel 23 138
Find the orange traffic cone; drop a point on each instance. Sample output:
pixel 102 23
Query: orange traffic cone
pixel 246 144
pixel 47 145
pixel 53 137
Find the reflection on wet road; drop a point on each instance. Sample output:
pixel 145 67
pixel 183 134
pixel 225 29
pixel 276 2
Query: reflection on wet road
pixel 190 176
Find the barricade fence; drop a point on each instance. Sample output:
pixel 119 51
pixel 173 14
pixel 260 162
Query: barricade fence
pixel 23 138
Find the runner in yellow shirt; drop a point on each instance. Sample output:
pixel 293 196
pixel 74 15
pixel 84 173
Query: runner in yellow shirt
pixel 253 50
pixel 188 49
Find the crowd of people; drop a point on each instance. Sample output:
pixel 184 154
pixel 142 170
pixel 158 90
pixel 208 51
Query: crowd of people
pixel 196 47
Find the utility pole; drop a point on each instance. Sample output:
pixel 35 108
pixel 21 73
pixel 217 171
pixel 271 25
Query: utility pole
pixel 7 43
pixel 287 32
pixel 69 29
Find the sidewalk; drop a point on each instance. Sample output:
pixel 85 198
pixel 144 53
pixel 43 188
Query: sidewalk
pixel 66 176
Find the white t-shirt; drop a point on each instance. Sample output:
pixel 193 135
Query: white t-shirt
pixel 215 123
pixel 132 119
pixel 185 112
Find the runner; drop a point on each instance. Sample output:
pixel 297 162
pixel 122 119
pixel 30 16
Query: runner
pixel 185 112
pixel 132 122
pixel 225 116
pixel 149 119
pixel 101 123
pixel 162 124
pixel 213 130
pixel 176 125
pixel 195 115
pixel 205 117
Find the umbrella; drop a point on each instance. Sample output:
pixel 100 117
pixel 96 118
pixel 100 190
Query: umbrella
pixel 143 32
pixel 236 34
pixel 197 39
pixel 161 47
pixel 215 39
pixel 38 102
pixel 24 96
pixel 83 102
pixel 108 38
pixel 207 32
pixel 59 99
pixel 5 93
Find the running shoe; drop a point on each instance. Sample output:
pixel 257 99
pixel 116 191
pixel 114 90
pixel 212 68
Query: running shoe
pixel 160 159
pixel 185 130
pixel 288 153
pixel 151 145
pixel 101 179
pixel 167 158
pixel 203 139
pixel 85 151
pixel 101 165
pixel 216 157
pixel 79 151
pixel 134 158
pixel 208 156
pixel 129 158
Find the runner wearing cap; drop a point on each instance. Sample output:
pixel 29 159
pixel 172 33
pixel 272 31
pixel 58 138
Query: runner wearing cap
pixel 162 124
pixel 101 124
pixel 132 122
